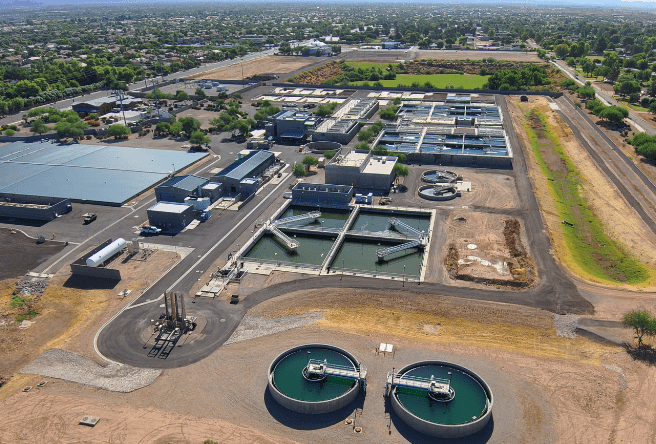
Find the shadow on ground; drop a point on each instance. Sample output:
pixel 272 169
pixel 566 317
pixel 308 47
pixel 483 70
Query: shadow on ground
pixel 301 421
pixel 644 353
pixel 415 437
pixel 90 283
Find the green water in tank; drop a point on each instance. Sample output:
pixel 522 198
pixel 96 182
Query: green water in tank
pixel 288 376
pixel 469 402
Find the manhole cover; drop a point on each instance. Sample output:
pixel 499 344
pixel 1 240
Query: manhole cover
pixel 357 429
pixel 222 320
pixel 348 421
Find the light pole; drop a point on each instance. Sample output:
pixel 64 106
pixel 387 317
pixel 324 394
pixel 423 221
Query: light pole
pixel 342 276
pixel 403 275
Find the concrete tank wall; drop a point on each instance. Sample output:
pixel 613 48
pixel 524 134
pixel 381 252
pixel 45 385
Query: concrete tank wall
pixel 315 407
pixel 443 430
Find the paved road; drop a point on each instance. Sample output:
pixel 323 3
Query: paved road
pixel 634 118
pixel 122 340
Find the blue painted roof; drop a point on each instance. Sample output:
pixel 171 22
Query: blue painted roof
pixel 110 174
pixel 246 165
pixel 186 183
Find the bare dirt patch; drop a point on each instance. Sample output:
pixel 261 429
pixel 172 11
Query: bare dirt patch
pixel 265 65
pixel 68 317
pixel 487 249
pixel 547 389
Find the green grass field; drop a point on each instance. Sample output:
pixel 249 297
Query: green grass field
pixel 437 80
pixel 632 106
pixel 591 248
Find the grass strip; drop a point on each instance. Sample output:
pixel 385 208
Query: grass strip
pixel 591 248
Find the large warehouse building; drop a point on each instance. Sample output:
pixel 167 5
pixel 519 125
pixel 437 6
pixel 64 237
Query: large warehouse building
pixel 242 177
pixel 108 175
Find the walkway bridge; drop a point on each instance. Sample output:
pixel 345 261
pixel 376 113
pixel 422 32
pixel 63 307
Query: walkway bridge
pixel 420 239
pixel 437 388
pixel 291 243
pixel 318 370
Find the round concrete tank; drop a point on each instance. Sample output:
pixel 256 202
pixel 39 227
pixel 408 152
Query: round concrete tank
pixel 439 176
pixel 464 407
pixel 438 192
pixel 315 378
pixel 98 258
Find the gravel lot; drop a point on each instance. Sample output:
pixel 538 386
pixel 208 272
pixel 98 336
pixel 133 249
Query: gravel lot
pixel 60 364
pixel 566 325
pixel 252 327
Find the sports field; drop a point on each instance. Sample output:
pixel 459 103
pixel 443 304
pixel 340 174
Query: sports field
pixel 464 81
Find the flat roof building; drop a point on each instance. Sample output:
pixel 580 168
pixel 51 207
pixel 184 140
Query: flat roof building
pixel 322 194
pixel 346 121
pixel 362 170
pixel 170 215
pixel 293 124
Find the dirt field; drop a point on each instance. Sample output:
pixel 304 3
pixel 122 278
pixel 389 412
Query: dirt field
pixel 265 65
pixel 481 247
pixel 547 389
pixel 377 55
pixel 21 254
pixel 621 222
pixel 69 315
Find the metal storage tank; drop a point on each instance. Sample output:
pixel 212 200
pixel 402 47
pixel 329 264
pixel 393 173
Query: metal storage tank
pixel 107 252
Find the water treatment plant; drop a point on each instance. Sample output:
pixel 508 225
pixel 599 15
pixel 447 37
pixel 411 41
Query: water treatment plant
pixel 354 239
pixel 440 399
pixel 316 378
pixel 425 240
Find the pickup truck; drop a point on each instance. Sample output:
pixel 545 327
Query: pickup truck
pixel 89 217
pixel 150 230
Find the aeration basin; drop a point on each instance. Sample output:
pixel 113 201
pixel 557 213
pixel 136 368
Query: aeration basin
pixel 458 402
pixel 315 378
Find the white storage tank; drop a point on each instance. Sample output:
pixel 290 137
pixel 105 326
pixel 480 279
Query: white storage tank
pixel 110 250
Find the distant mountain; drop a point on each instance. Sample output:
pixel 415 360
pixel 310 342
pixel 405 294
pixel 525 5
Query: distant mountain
pixel 20 4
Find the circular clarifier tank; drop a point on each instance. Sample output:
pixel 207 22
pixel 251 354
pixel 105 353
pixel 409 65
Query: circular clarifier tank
pixel 439 176
pixel 315 378
pixel 438 192
pixel 459 404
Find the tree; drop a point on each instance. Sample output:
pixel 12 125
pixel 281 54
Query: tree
pixel 586 92
pixel 199 138
pixel 401 170
pixel 93 116
pixel 200 93
pixel 189 125
pixel 642 322
pixel 308 161
pixel 388 113
pixel 614 114
pixel 180 95
pixel 299 170
pixel 561 50
pixel 118 131
pixel 10 132
pixel 39 127
pixel 162 129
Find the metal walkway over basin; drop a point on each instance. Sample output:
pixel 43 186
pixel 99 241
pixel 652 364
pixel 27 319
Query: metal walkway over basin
pixel 381 253
pixel 318 368
pixel 299 217
pixel 433 386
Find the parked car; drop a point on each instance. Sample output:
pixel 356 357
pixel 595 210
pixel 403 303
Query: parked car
pixel 150 230
pixel 89 217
